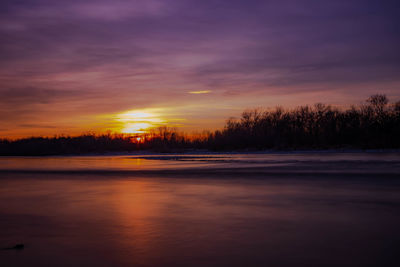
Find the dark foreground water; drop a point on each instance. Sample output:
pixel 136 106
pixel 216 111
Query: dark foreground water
pixel 208 210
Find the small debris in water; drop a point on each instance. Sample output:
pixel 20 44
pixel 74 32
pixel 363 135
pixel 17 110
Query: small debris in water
pixel 17 247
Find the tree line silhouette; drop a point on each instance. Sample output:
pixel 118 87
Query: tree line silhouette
pixel 374 125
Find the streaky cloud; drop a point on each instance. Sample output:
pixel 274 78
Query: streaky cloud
pixel 200 92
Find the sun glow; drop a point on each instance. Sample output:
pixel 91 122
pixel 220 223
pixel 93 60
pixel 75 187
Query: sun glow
pixel 136 127
pixel 139 121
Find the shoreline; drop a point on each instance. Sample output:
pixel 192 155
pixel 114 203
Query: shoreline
pixel 207 152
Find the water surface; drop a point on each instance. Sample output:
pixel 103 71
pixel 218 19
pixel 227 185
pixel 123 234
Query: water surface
pixel 201 210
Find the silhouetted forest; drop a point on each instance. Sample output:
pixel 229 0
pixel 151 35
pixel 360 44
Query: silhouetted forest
pixel 374 125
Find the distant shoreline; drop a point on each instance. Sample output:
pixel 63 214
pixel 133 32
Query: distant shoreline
pixel 207 152
pixel 258 165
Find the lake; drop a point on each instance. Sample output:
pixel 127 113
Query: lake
pixel 274 209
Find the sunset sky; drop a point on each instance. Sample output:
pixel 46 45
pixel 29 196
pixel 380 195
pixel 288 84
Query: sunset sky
pixel 72 66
